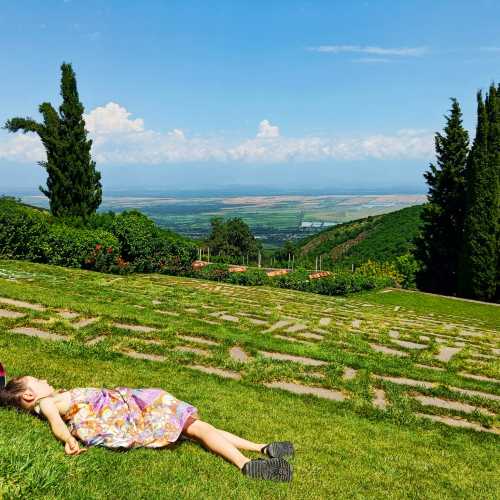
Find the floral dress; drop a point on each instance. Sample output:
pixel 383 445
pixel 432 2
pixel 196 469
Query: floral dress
pixel 126 418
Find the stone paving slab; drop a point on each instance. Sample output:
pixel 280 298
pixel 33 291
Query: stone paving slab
pixel 296 328
pixel 309 335
pixel 68 314
pixel 229 317
pixel 409 345
pixel 470 392
pixel 280 324
pixel 22 304
pixel 446 353
pixel 35 332
pixel 349 373
pixel 239 354
pixel 457 422
pixel 194 350
pixel 406 381
pixel 84 322
pixel 134 328
pixel 292 339
pixel 216 371
pixel 257 321
pixel 199 340
pixel 5 313
pixel 356 323
pixel 95 340
pixel 387 350
pixel 297 359
pixel 167 313
pixel 450 405
pixel 479 377
pixel 304 389
pixel 379 399
pixel 143 355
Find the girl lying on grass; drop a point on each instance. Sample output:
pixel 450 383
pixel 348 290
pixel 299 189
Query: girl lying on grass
pixel 132 418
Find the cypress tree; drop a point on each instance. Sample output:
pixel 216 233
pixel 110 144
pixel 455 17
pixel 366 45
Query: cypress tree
pixel 73 183
pixel 479 260
pixel 437 248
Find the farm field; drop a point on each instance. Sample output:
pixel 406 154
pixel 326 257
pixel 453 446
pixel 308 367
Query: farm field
pixel 385 394
pixel 273 219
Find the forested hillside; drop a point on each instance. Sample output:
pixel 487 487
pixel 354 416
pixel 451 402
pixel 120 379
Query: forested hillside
pixel 380 238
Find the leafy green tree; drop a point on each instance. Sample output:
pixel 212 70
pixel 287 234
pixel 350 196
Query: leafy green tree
pixel 232 238
pixel 438 246
pixel 479 262
pixel 73 184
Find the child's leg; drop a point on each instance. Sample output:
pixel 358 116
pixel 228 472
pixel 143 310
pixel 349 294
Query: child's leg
pixel 241 443
pixel 214 441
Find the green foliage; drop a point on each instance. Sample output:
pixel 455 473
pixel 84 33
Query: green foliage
pixel 373 275
pixel 144 245
pixel 407 267
pixel 232 238
pixel 479 260
pixel 439 244
pixel 110 243
pixel 73 184
pixel 34 235
pixel 380 238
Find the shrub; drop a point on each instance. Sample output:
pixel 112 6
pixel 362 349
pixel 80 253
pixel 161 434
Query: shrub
pixel 407 267
pixel 146 246
pixel 251 277
pixel 73 247
pixel 22 231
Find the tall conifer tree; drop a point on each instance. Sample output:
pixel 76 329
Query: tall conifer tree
pixel 478 267
pixel 73 184
pixel 439 243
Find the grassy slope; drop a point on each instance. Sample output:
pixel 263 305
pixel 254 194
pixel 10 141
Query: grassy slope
pixel 382 237
pixel 343 449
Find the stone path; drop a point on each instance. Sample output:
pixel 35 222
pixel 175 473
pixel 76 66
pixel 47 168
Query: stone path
pixel 446 353
pixel 239 354
pixel 297 359
pixel 35 332
pixel 21 304
pixel 143 355
pixel 199 340
pixel 305 389
pixel 450 405
pixel 85 322
pixel 387 350
pixel 5 313
pixel 379 400
pixel 134 328
pixel 216 371
pixel 456 422
pixel 194 350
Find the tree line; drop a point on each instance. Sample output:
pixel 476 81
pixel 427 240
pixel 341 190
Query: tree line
pixel 458 249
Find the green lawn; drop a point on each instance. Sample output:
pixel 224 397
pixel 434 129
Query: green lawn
pixel 348 449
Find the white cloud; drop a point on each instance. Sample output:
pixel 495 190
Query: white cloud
pixel 120 140
pixel 372 50
pixel 112 119
pixel 267 130
pixel 22 148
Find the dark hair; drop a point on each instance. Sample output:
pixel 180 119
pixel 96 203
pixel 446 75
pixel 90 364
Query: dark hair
pixel 11 394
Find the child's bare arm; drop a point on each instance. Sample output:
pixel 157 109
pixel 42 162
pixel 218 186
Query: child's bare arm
pixel 58 427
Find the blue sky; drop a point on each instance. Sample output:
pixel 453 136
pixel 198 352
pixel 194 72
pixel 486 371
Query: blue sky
pixel 282 93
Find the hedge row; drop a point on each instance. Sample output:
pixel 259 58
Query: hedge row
pixel 368 277
pixel 126 242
